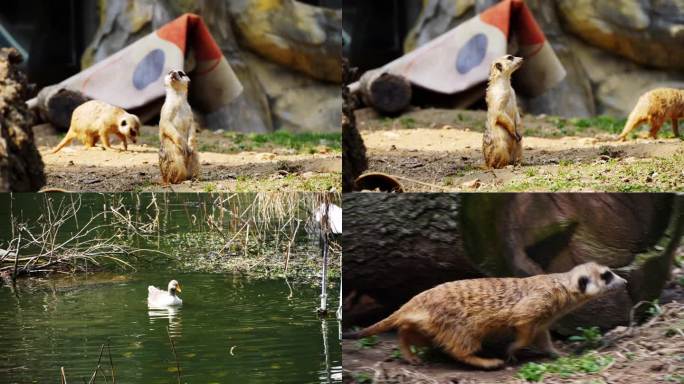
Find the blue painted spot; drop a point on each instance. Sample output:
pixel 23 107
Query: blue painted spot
pixel 148 69
pixel 472 53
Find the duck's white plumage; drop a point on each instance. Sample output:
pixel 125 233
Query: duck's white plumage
pixel 160 298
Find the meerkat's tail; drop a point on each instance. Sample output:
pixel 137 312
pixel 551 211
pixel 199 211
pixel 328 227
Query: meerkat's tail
pixel 67 139
pixel 379 327
pixel 635 118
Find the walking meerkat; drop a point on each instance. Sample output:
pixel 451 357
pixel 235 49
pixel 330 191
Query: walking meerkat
pixel 501 140
pixel 178 158
pixel 459 315
pixel 95 120
pixel 655 107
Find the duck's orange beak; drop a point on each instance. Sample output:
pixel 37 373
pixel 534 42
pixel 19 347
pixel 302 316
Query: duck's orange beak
pixel 178 288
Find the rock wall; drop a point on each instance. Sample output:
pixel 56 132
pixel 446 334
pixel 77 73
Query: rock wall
pixel 21 167
pixel 613 50
pixel 299 93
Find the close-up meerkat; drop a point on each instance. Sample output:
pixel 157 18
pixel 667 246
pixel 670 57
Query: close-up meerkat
pixel 178 158
pixel 655 107
pixel 457 316
pixel 501 142
pixel 96 120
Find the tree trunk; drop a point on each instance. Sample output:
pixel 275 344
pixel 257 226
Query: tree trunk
pixel 21 167
pixel 396 246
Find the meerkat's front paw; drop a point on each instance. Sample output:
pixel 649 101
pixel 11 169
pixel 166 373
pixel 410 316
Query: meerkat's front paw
pixel 518 137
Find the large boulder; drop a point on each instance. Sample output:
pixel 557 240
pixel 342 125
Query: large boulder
pixel 618 83
pixel 293 34
pixel 21 167
pixel 400 245
pixel 647 32
pixel 298 103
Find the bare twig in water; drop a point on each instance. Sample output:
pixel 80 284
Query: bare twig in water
pixel 173 347
pixel 63 376
pixel 92 378
pixel 111 363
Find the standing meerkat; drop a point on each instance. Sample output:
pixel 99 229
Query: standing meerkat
pixel 96 120
pixel 178 158
pixel 501 140
pixel 459 315
pixel 655 107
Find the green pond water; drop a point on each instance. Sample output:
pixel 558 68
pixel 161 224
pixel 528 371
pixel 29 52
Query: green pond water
pixel 230 329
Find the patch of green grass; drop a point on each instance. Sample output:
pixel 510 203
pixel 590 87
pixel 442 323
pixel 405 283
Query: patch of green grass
pixel 674 378
pixel 368 342
pixel 604 123
pixel 290 182
pixel 209 187
pixel 589 337
pixel 363 378
pixel 565 367
pixel 407 122
pixel 448 181
pixel 614 175
pixel 396 354
pixel 304 142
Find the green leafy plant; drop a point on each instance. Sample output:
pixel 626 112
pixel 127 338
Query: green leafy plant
pixel 363 378
pixel 589 337
pixel 368 342
pixel 565 367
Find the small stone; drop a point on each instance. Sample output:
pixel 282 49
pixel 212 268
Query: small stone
pixel 472 184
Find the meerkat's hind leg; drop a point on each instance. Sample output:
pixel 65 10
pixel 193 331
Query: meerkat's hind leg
pixel 542 343
pixel 675 127
pixel 655 127
pixel 469 358
pixel 409 339
pixel 463 348
pixel 525 334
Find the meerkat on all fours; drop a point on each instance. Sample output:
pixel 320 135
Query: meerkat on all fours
pixel 655 107
pixel 459 315
pixel 501 144
pixel 178 158
pixel 96 120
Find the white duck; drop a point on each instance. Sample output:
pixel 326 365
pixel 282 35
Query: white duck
pixel 159 298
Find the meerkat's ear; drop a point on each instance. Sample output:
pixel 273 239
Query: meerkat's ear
pixel 582 283
pixel 498 66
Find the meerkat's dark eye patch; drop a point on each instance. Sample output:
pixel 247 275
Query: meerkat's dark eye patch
pixel 182 74
pixel 509 57
pixel 607 276
pixel 123 123
pixel 582 282
pixel 498 66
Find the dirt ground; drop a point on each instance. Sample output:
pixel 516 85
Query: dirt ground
pixel 262 168
pixel 440 150
pixel 652 352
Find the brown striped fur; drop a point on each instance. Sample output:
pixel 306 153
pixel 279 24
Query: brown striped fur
pixel 459 315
